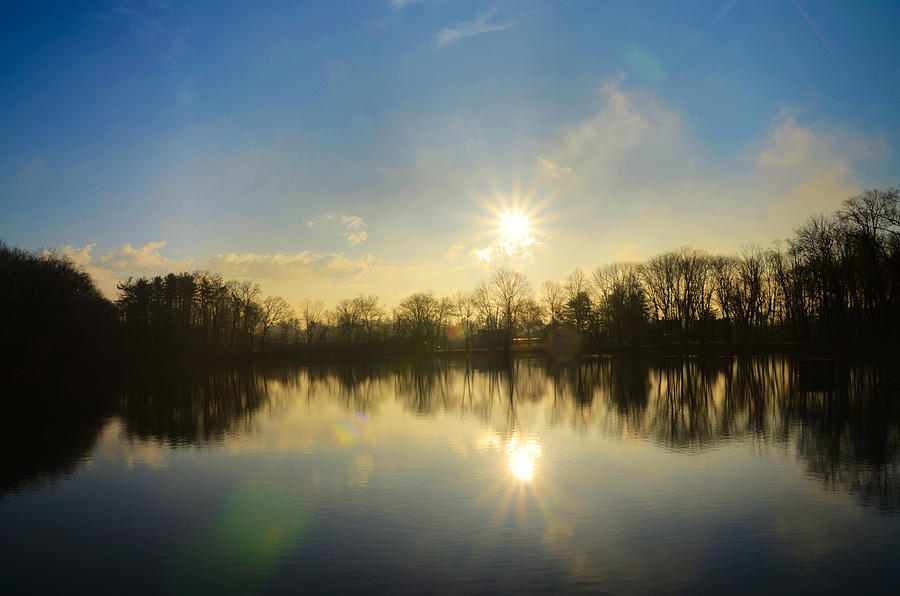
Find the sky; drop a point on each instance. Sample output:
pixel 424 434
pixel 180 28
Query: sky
pixel 328 149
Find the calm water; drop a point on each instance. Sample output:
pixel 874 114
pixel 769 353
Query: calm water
pixel 611 476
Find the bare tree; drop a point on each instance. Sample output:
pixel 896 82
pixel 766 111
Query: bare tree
pixel 576 283
pixel 554 301
pixel 693 300
pixel 421 317
pixel 245 295
pixel 512 290
pixel 660 276
pixel 488 312
pixel 465 311
pixel 371 312
pixel 347 320
pixel 311 315
pixel 532 317
pixel 274 310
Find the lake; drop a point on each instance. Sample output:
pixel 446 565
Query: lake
pixel 625 476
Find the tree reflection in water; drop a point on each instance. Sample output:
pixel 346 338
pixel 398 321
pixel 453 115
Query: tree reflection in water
pixel 847 436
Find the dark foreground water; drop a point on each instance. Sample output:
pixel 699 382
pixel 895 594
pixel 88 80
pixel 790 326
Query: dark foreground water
pixel 674 476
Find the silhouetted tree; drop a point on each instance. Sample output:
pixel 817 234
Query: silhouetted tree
pixel 274 311
pixel 554 301
pixel 53 313
pixel 837 279
pixel 512 293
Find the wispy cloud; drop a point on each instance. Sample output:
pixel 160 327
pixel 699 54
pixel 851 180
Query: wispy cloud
pixel 453 251
pixel 477 26
pixel 300 266
pixel 303 267
pixel 153 24
pixel 637 160
pixel 402 3
pixel 353 222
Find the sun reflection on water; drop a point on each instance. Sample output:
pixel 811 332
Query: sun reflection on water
pixel 523 457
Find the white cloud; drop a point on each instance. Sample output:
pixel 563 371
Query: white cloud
pixel 127 258
pixel 356 237
pixel 632 140
pixel 304 269
pixel 504 248
pixel 302 266
pixel 116 265
pixel 354 229
pixel 812 171
pixel 123 262
pixel 638 175
pixel 477 26
pixel 79 256
pixel 353 222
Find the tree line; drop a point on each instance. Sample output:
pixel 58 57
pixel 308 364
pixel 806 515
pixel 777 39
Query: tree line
pixel 835 280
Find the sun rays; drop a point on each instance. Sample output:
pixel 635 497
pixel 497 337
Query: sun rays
pixel 523 457
pixel 514 226
pixel 522 490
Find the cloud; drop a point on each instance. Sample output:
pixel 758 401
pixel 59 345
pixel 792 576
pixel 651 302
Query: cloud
pixel 80 256
pixel 354 229
pixel 119 263
pixel 123 262
pixel 631 136
pixel 453 251
pixel 552 170
pixel 402 3
pixel 356 237
pixel 501 248
pixel 304 268
pixel 150 23
pixel 477 26
pixel 300 266
pixel 635 170
pixel 812 170
pixel 127 258
pixel 506 246
pixel 353 222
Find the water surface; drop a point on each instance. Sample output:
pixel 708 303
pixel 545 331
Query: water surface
pixel 667 476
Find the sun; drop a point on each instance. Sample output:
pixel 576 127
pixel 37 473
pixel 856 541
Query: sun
pixel 514 227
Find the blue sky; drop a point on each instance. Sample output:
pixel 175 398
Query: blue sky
pixel 326 149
